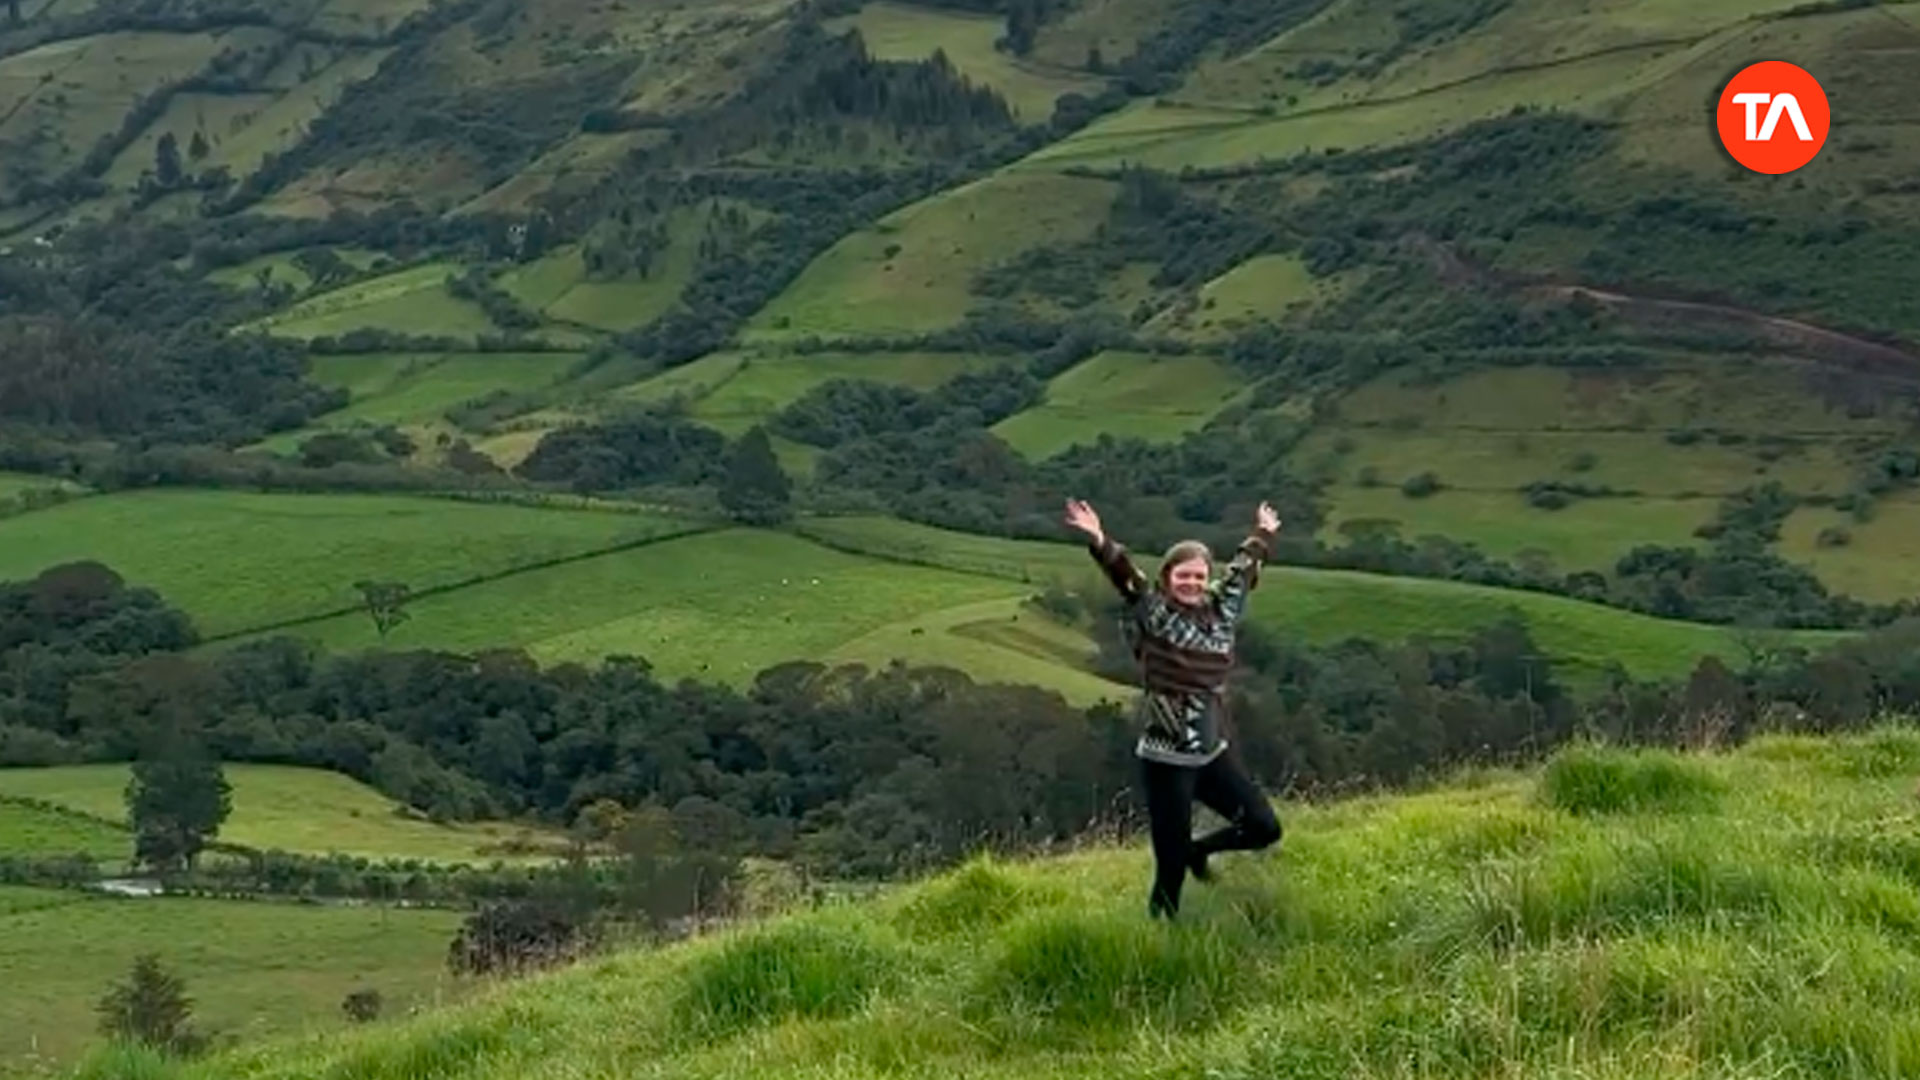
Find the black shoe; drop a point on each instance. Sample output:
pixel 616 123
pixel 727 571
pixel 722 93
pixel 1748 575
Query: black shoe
pixel 1197 866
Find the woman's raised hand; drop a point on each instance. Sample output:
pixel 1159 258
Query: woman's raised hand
pixel 1266 518
pixel 1082 517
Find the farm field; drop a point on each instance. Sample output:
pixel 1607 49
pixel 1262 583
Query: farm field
pixel 894 31
pixel 1388 929
pixel 1123 395
pixel 239 561
pixel 732 391
pixel 254 970
pixel 35 831
pixel 415 391
pixel 1326 606
pixel 1588 534
pixel 412 301
pixel 910 272
pixel 309 811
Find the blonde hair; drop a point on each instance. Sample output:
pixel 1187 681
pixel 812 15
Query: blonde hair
pixel 1181 552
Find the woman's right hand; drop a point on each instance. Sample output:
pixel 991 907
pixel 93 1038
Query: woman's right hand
pixel 1082 517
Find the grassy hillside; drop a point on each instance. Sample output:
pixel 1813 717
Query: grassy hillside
pixel 253 970
pixel 416 391
pixel 906 32
pixel 31 830
pixel 1667 441
pixel 1122 394
pixel 292 809
pixel 1628 915
pixel 236 561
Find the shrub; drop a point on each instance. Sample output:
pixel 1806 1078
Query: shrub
pixel 1419 487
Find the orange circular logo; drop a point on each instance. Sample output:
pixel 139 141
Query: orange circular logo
pixel 1773 117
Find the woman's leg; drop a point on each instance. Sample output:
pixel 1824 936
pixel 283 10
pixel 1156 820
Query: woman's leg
pixel 1170 815
pixel 1226 789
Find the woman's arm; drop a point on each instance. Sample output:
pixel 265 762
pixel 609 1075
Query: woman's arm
pixel 1243 573
pixel 1112 556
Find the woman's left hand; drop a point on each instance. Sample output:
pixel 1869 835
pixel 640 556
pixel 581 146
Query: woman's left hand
pixel 1267 519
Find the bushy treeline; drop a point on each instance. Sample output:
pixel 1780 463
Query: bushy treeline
pixel 851 771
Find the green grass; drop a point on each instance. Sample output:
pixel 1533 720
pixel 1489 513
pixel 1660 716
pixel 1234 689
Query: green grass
pixel 1122 394
pixel 413 301
pixel 252 969
pixel 235 561
pixel 283 270
pixel 1881 559
pixel 1327 606
pixel 81 89
pixel 557 285
pixel 311 811
pixel 903 32
pixel 29 830
pixel 416 390
pixel 1474 930
pixel 733 391
pixel 721 606
pixel 856 288
pixel 1262 289
pixel 1588 534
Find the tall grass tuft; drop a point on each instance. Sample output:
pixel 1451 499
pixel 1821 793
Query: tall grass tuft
pixel 979 896
pixel 1601 780
pixel 808 969
pixel 1090 972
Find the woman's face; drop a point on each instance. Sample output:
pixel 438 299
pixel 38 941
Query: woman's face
pixel 1187 581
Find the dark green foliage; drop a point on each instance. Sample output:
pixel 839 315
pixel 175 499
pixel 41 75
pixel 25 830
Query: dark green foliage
pixel 150 1008
pixel 755 490
pixel 501 308
pixel 362 1006
pixel 1598 780
pixel 642 448
pixel 385 602
pixel 176 801
pixel 844 411
pixel 514 937
pixel 1421 486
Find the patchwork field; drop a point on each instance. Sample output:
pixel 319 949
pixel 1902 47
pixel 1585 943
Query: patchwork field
pixel 911 271
pixel 238 561
pixel 60 99
pixel 276 807
pixel 1669 441
pixel 1323 607
pixel 732 391
pixel 1879 559
pixel 1588 534
pixel 903 32
pixel 252 970
pixel 35 831
pixel 415 391
pixel 1120 394
pixel 281 269
pixel 412 301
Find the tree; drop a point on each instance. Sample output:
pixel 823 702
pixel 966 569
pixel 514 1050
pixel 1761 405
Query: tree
pixel 166 161
pixel 197 147
pixel 756 490
pixel 151 1007
pixel 176 801
pixel 385 602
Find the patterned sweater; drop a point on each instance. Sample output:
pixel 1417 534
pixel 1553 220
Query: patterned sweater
pixel 1185 653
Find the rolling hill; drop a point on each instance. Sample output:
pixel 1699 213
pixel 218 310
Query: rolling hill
pixel 1619 914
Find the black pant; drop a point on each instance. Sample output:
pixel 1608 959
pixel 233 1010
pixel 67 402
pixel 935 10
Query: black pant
pixel 1223 787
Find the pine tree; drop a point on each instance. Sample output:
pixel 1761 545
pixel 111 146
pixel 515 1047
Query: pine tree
pixel 151 1007
pixel 198 149
pixel 166 161
pixel 756 490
